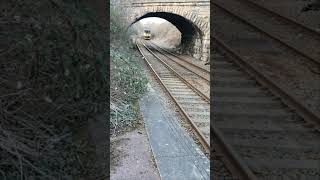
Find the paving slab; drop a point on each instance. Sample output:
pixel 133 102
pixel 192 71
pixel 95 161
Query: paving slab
pixel 176 154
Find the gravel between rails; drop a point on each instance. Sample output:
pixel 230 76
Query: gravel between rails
pixel 272 142
pixel 201 119
pixel 201 84
pixel 289 70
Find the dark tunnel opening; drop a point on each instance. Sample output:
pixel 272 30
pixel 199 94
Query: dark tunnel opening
pixel 189 32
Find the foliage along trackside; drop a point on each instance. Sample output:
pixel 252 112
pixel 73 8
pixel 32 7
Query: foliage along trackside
pixel 53 79
pixel 128 81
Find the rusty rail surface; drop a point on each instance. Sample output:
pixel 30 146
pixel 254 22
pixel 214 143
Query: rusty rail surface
pixel 175 55
pixel 226 149
pixel 261 30
pixel 205 143
pixel 159 49
pixel 232 161
pixel 289 20
pixel 308 115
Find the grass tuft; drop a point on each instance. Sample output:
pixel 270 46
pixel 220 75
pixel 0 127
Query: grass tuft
pixel 128 81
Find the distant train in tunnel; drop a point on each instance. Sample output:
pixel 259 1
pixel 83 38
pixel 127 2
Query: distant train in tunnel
pixel 146 34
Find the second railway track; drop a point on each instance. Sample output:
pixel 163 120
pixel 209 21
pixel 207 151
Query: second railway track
pixel 194 105
pixel 256 134
pixel 198 76
pixel 205 72
pixel 266 138
pixel 289 33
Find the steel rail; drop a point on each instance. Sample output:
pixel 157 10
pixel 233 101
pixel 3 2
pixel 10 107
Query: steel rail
pixel 202 77
pixel 308 115
pixel 202 139
pixel 234 162
pixel 264 82
pixel 261 30
pixel 206 98
pixel 194 65
pixel 287 19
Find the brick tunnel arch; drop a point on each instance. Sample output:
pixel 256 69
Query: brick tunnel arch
pixel 195 29
pixel 191 35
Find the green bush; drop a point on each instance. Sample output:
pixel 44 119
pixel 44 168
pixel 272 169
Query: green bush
pixel 128 81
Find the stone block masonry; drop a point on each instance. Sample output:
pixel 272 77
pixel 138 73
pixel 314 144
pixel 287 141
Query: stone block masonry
pixel 191 17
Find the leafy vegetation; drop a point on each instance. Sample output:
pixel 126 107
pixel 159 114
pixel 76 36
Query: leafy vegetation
pixel 128 81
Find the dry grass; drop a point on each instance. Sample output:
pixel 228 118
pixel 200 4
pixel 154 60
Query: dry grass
pixel 128 81
pixel 52 79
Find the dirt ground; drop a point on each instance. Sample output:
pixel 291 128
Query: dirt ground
pixel 131 156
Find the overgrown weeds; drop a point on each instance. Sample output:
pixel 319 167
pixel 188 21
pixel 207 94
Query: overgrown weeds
pixel 53 79
pixel 128 82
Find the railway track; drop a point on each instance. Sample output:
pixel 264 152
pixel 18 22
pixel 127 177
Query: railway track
pixel 194 74
pixel 286 31
pixel 261 134
pixel 200 70
pixel 193 104
pixel 283 17
pixel 289 68
pixel 222 166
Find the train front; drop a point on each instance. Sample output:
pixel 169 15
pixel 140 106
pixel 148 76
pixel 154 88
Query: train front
pixel 147 34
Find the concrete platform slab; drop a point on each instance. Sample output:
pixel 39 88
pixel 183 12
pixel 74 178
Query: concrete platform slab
pixel 176 154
